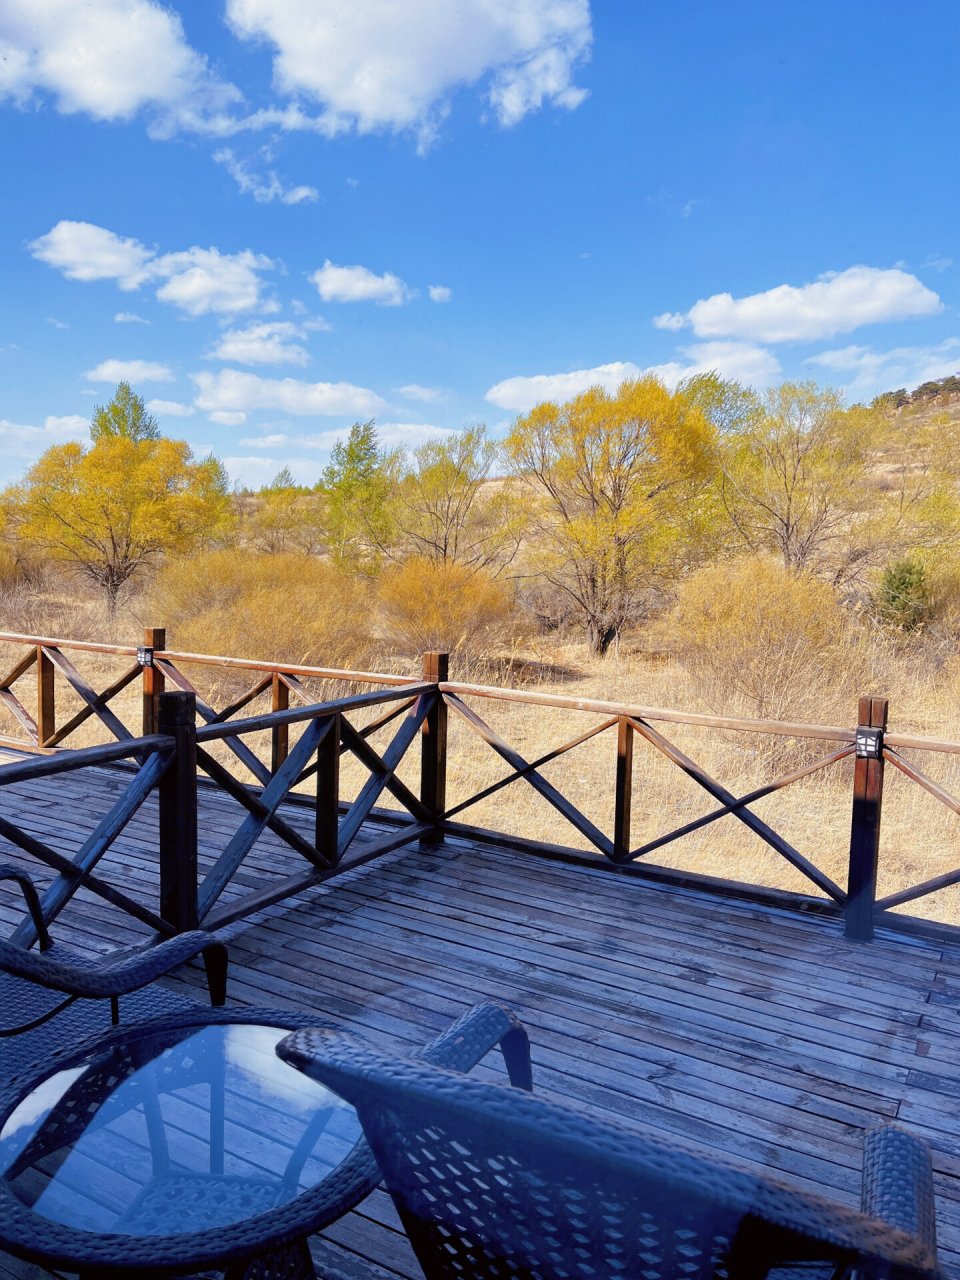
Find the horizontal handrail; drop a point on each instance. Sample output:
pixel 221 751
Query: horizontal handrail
pixel 298 715
pixel 830 733
pixel 83 758
pixel 285 668
pixel 213 660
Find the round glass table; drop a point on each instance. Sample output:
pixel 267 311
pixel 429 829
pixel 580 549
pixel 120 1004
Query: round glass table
pixel 184 1142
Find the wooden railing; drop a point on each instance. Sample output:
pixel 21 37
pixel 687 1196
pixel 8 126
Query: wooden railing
pixel 306 742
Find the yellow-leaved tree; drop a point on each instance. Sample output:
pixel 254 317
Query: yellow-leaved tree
pixel 619 495
pixel 116 506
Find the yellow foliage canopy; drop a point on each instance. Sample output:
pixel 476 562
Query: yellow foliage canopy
pixel 619 482
pixel 119 504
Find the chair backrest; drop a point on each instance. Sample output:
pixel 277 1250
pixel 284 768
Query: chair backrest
pixel 491 1182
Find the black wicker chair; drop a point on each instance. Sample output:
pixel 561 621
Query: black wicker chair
pixel 36 988
pixel 492 1183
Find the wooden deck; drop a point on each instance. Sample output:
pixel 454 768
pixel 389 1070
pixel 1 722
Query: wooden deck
pixel 753 1032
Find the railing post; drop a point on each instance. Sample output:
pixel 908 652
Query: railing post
pixel 865 821
pixel 624 793
pixel 280 733
pixel 46 698
pixel 153 681
pixel 178 813
pixel 433 743
pixel 328 790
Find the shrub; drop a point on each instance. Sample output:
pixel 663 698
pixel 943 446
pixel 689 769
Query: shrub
pixel 290 608
pixel 429 604
pixel 902 598
pixel 765 640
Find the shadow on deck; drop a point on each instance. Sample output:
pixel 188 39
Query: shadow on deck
pixel 751 1031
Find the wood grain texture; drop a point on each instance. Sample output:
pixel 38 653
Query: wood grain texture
pixel 757 1032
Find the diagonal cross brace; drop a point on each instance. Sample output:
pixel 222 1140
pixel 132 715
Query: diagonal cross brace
pixel 536 780
pixel 88 694
pixel 359 811
pixel 228 783
pixel 250 830
pixel 729 800
pixel 62 889
pixel 209 716
pixel 354 742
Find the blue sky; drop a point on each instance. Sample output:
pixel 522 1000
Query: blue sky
pixel 277 216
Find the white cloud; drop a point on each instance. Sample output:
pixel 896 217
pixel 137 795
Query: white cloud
pixel 232 392
pixel 57 324
pixel 439 293
pixel 129 371
pixel 129 317
pixel 26 443
pixel 204 280
pixel 83 251
pixel 228 418
pixel 196 280
pixel 109 59
pixel 867 371
pixel 263 189
pixel 271 343
pixel 413 391
pixel 521 394
pixel 359 284
pixel 742 361
pixel 378 66
pixel 264 442
pixel 672 320
pixel 170 408
pixel 836 302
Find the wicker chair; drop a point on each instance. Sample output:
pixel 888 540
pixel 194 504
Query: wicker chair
pixel 38 987
pixel 492 1183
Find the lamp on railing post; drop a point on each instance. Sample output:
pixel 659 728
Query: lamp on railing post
pixel 178 813
pixel 865 819
pixel 154 638
pixel 433 740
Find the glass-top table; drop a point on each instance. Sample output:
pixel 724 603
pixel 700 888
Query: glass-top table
pixel 186 1138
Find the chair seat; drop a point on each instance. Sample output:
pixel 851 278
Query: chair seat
pixel 22 1001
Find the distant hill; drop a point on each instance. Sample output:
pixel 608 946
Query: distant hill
pixel 937 394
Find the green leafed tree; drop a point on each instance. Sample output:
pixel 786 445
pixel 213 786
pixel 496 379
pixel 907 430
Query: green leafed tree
pixel 356 486
pixel 125 416
pixel 444 508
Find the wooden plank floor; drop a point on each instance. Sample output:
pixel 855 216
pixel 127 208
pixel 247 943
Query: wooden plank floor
pixel 756 1033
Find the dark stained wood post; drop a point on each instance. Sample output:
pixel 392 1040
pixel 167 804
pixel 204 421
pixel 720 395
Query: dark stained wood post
pixel 433 743
pixel 624 792
pixel 865 822
pixel 328 790
pixel 280 733
pixel 46 698
pixel 178 813
pixel 154 638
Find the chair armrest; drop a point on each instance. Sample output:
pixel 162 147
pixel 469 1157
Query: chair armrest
pixel 472 1037
pixel 898 1183
pixel 32 899
pixel 110 978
